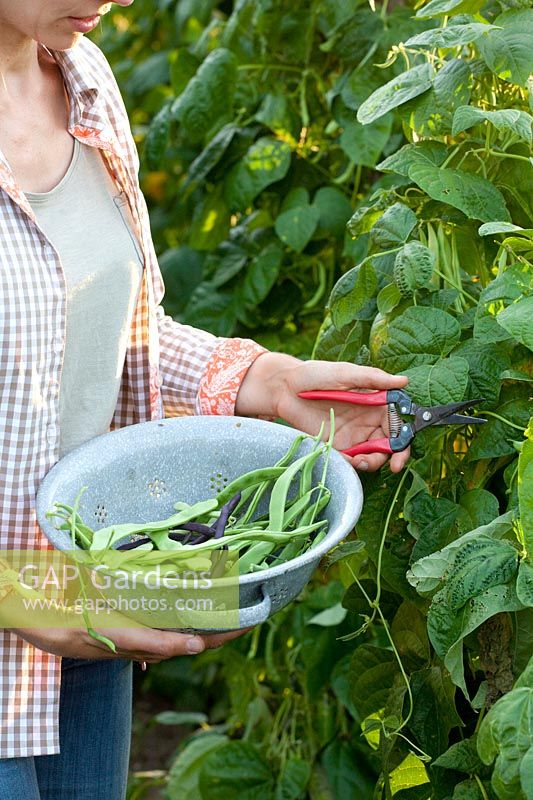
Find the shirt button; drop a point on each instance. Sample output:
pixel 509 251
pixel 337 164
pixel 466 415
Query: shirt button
pixel 51 434
pixel 58 346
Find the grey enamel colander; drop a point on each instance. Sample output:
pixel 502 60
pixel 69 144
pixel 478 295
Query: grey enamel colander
pixel 137 473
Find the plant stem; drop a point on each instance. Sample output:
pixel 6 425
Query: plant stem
pixel 506 421
pixel 459 288
pixel 383 538
pixel 278 67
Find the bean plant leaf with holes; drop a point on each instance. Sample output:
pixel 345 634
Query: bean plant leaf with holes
pixel 472 194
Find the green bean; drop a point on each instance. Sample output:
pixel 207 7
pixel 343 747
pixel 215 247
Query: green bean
pixel 113 533
pixel 297 508
pixel 278 498
pixel 250 479
pixel 284 461
pixel 254 555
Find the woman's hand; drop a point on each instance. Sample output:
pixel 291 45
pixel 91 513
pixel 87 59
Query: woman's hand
pixel 136 643
pixel 271 386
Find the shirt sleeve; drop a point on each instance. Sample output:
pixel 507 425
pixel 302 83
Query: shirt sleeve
pixel 201 373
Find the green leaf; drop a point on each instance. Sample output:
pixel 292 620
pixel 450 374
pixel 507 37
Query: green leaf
pixel 185 771
pixel 237 770
pixel 411 772
pixel 423 153
pixel 461 756
pixel 525 488
pixel 372 672
pixel 434 713
pixel 394 226
pixel 344 550
pixel 486 362
pixel 334 210
pixel 413 267
pixel 157 138
pixel 517 319
pixel 438 8
pixel 211 155
pixel 416 337
pixel 180 718
pixel 509 52
pixel 467 790
pixel 364 143
pixel 329 617
pixel 338 345
pixel 296 226
pixel 503 227
pixel 211 224
pixel 448 628
pixel 452 36
pixel 276 113
pixel 473 195
pixel 427 573
pixel 182 270
pixel 348 775
pixel 508 286
pixel 183 67
pixel 207 96
pixel 477 507
pixel 430 521
pixel 267 161
pixel 408 630
pixel 397 91
pixel 489 228
pixel 479 566
pixel 506 120
pixel 212 310
pixel 431 114
pixel 261 275
pixel 524 584
pixel 351 292
pixel 388 298
pixel 496 438
pixel 293 779
pixel 506 736
pixel 439 383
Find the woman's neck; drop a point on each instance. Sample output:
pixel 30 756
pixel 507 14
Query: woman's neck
pixel 20 69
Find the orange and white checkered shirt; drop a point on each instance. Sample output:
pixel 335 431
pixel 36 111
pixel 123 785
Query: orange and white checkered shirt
pixel 170 369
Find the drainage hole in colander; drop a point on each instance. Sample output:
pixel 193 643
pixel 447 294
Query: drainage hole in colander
pixel 157 487
pixel 100 512
pixel 217 482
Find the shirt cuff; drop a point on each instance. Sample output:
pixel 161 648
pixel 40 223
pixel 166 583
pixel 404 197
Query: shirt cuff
pixel 223 375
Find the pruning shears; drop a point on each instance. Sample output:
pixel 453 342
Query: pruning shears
pixel 402 433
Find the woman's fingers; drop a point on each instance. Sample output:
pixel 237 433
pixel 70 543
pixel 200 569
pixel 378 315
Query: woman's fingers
pixel 331 375
pixel 146 644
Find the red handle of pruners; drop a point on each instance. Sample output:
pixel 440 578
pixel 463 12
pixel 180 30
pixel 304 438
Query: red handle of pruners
pixel 370 446
pixel 357 398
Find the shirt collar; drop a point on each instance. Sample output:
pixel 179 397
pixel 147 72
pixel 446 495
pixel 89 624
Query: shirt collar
pixel 82 88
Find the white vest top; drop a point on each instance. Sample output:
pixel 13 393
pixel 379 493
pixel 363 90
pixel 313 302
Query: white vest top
pixel 89 223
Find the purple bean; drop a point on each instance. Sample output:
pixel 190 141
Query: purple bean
pixel 134 544
pixel 197 527
pixel 225 512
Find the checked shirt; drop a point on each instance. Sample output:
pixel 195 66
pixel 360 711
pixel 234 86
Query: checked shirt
pixel 170 369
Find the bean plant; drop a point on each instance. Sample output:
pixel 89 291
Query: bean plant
pixel 266 125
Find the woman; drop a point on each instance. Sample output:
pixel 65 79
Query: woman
pixel 85 347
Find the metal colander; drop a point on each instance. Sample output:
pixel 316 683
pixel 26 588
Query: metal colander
pixel 137 473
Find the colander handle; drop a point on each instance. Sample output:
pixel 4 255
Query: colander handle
pixel 211 621
pixel 254 615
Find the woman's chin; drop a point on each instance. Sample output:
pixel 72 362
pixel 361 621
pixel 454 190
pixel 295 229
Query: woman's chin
pixel 63 41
